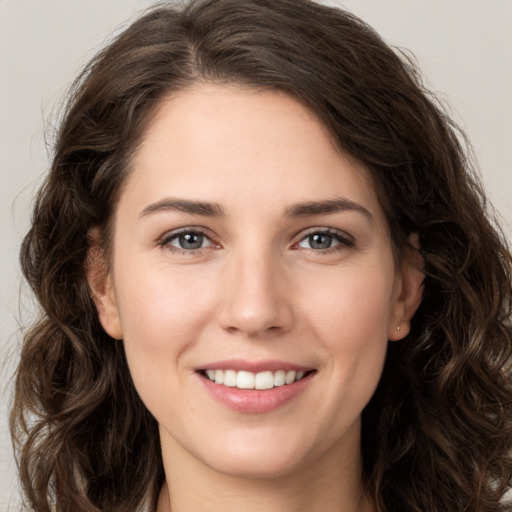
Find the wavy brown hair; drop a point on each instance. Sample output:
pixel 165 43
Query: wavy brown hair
pixel 437 435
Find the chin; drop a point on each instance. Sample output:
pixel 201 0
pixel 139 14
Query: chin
pixel 250 468
pixel 249 459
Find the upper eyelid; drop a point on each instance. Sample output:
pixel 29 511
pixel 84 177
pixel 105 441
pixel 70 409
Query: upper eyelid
pixel 173 233
pixel 322 229
pixel 168 235
pixel 186 229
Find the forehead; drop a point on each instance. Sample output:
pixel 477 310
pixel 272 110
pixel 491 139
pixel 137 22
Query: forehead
pixel 224 143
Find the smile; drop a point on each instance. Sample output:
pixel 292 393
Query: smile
pixel 249 380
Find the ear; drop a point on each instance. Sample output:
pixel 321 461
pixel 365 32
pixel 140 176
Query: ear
pixel 101 287
pixel 408 292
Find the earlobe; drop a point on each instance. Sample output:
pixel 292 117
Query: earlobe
pixel 410 292
pixel 101 287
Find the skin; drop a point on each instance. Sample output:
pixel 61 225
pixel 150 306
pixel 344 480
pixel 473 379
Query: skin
pixel 256 289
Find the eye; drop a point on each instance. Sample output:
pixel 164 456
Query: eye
pixel 322 240
pixel 186 241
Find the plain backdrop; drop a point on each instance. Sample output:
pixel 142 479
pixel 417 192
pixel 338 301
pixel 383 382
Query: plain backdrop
pixel 464 48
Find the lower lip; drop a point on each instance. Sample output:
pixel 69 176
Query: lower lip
pixel 256 401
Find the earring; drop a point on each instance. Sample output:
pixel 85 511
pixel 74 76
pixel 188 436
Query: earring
pixel 398 327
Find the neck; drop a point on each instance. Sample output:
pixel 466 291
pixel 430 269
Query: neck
pixel 324 486
pixel 263 500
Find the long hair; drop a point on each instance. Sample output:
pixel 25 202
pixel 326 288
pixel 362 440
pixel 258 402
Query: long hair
pixel 437 435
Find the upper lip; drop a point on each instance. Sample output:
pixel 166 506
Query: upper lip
pixel 254 366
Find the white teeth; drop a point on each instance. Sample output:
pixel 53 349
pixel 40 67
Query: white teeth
pixel 290 377
pixel 280 378
pixel 264 380
pixel 245 380
pixel 219 377
pixel 229 378
pixel 249 380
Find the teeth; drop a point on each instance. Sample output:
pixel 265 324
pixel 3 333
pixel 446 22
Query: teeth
pixel 290 377
pixel 244 380
pixel 229 378
pixel 264 380
pixel 249 380
pixel 219 377
pixel 280 378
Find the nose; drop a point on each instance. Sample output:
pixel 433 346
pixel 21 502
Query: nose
pixel 256 299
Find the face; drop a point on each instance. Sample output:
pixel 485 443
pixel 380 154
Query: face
pixel 253 283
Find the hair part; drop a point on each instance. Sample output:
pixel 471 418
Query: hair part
pixel 437 434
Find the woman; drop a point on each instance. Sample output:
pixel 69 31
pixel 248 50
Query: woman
pixel 268 279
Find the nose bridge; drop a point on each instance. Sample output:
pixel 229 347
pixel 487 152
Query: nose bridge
pixel 255 298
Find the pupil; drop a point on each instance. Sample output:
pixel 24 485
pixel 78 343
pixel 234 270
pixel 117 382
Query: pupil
pixel 320 241
pixel 191 240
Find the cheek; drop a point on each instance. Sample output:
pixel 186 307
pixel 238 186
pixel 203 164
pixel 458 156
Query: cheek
pixel 158 303
pixel 353 305
pixel 352 326
pixel 349 319
pixel 162 312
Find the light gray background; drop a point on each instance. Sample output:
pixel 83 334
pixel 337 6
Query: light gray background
pixel 463 46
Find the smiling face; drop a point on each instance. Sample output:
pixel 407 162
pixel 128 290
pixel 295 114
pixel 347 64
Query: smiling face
pixel 253 283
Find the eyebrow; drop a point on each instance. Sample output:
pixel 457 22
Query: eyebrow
pixel 310 208
pixel 202 208
pixel 207 209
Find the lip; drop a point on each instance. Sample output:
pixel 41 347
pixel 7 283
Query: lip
pixel 255 401
pixel 254 366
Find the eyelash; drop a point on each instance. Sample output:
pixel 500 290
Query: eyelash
pixel 344 240
pixel 165 241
